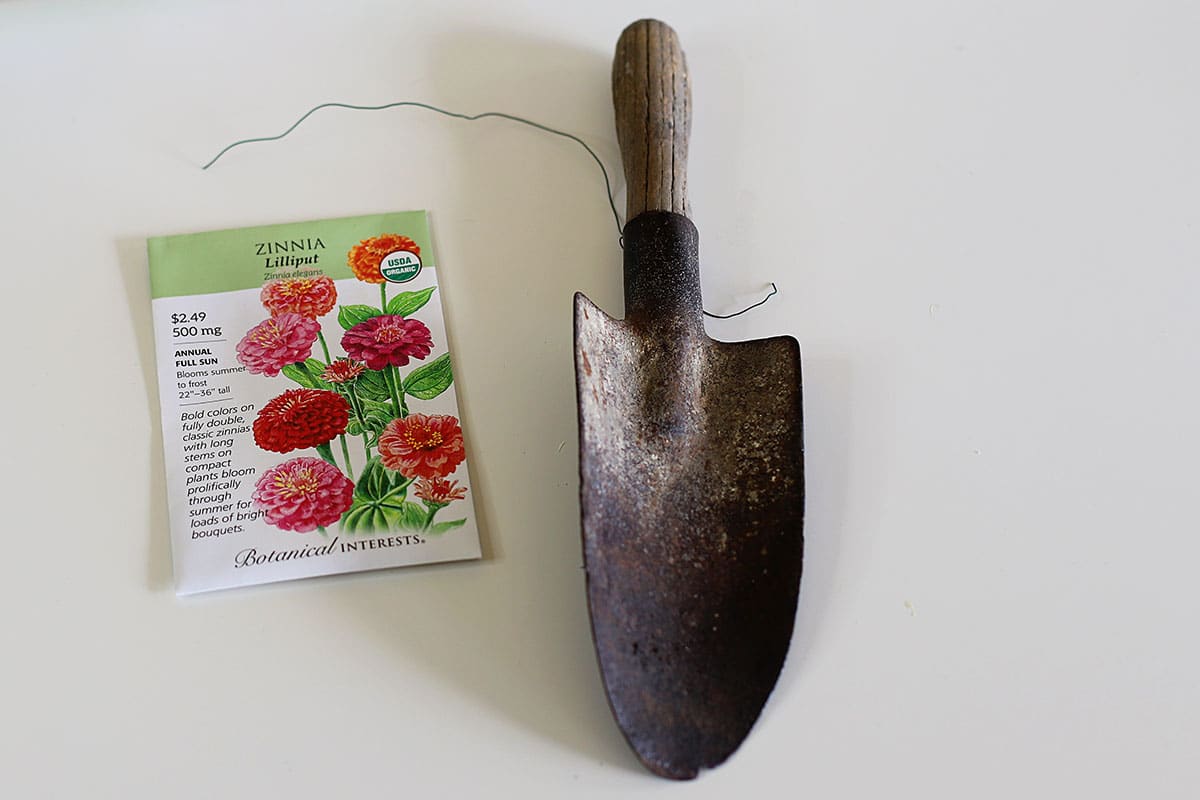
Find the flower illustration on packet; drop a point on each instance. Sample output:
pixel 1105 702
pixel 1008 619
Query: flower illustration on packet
pixel 377 466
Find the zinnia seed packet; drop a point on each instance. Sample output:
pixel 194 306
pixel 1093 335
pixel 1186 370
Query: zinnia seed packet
pixel 310 423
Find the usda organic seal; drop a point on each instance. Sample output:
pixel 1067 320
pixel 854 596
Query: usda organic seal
pixel 401 266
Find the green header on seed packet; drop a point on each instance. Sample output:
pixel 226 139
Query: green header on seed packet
pixel 244 258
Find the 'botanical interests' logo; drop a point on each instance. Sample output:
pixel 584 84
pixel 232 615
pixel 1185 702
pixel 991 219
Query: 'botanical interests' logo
pixel 400 266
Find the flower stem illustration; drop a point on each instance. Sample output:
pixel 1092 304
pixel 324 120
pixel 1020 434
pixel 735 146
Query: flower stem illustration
pixel 356 404
pixel 389 375
pixel 346 455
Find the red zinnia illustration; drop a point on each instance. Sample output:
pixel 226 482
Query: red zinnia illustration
pixel 276 342
pixel 366 256
pixel 303 494
pixel 439 491
pixel 387 339
pixel 422 446
pixel 301 418
pixel 308 297
pixel 342 371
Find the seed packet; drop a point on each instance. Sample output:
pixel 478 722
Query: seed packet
pixel 310 423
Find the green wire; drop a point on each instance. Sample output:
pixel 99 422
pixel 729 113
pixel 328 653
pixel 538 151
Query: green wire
pixel 612 204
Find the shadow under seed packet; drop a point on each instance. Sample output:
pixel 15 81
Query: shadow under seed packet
pixel 310 423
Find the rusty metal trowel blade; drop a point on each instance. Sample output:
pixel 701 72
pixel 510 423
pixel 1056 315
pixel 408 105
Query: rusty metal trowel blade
pixel 692 491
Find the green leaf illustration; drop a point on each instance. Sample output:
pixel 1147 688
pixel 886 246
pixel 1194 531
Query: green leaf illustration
pixel 349 316
pixel 379 502
pixel 428 381
pixel 380 406
pixel 370 385
pixel 377 484
pixel 367 518
pixel 305 379
pixel 412 517
pixel 406 303
pixel 352 520
pixel 375 419
pixel 394 516
pixel 326 452
pixel 442 527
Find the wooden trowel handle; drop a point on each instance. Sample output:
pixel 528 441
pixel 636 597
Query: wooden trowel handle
pixel 652 98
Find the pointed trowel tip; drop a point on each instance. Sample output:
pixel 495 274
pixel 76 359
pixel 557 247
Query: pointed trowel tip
pixel 681 752
pixel 674 770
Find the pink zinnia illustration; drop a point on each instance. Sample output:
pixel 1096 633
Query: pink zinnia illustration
pixel 308 297
pixel 276 342
pixel 342 371
pixel 387 339
pixel 422 446
pixel 439 491
pixel 303 494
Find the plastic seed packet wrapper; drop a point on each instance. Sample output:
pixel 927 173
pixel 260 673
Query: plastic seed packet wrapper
pixel 310 424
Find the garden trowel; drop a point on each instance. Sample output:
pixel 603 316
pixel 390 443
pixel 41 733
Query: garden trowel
pixel 690 460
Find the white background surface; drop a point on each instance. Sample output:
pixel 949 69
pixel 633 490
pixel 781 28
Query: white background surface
pixel 982 217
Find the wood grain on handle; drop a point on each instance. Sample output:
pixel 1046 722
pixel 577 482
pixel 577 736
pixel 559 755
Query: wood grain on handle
pixel 653 102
